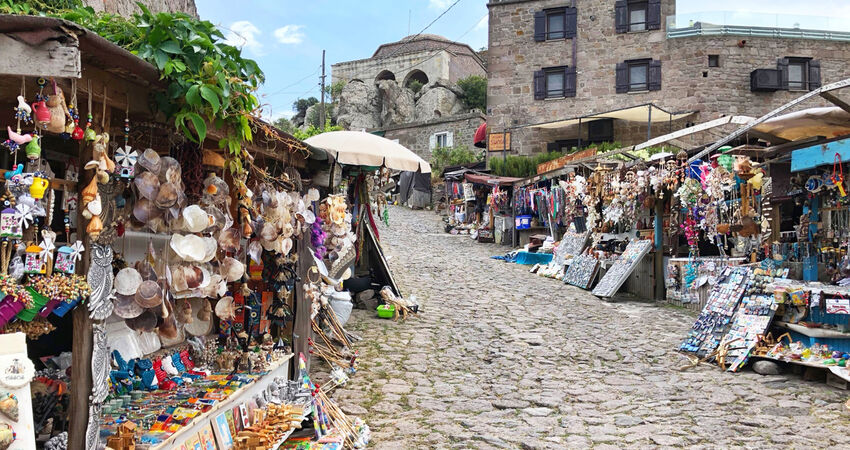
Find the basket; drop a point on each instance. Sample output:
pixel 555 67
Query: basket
pixel 386 311
pixel 523 222
pixel 38 302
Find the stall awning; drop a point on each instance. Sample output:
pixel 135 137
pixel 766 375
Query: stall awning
pixel 640 113
pixel 491 180
pixel 829 122
pixel 480 139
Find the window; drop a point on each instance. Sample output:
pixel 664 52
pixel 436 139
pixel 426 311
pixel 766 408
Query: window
pixel 555 82
pixel 713 60
pixel 638 76
pixel 637 16
pixel 797 69
pixel 554 24
pixel 442 140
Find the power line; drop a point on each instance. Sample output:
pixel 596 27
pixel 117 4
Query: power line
pixel 281 90
pixel 422 31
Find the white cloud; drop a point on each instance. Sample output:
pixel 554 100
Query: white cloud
pixel 439 4
pixel 289 34
pixel 482 24
pixel 243 34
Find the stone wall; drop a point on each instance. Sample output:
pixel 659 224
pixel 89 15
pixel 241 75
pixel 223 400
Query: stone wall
pixel 688 84
pixel 416 136
pixel 443 67
pixel 128 7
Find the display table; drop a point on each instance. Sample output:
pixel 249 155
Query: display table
pixel 280 369
pixel 529 259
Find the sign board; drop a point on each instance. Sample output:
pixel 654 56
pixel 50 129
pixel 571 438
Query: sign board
pixel 498 142
pixel 622 268
pixel 819 155
pixel 549 166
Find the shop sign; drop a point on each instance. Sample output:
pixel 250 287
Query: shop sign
pixel 549 166
pixel 498 142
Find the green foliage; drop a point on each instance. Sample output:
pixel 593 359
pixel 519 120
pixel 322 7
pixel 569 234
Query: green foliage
pixel 474 91
pixel 301 106
pixel 415 86
pixel 520 166
pixel 312 130
pixel 284 124
pixel 313 116
pixel 39 7
pixel 208 81
pixel 334 90
pixel 443 157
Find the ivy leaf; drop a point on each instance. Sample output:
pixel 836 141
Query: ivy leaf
pixel 210 96
pixel 192 96
pixel 171 47
pixel 199 124
pixel 160 58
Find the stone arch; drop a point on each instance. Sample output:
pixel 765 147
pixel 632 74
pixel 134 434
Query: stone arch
pixel 415 75
pixel 385 75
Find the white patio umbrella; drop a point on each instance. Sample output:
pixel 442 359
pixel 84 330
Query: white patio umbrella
pixel 358 148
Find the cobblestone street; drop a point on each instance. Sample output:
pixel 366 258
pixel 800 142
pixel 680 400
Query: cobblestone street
pixel 503 358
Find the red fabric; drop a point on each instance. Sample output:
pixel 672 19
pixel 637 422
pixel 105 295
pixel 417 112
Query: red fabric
pixel 480 139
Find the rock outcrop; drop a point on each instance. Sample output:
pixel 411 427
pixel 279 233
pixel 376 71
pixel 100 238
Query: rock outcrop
pixel 359 106
pixel 437 100
pixel 397 105
pixel 128 7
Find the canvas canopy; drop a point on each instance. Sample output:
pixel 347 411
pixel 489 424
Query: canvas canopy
pixel 358 148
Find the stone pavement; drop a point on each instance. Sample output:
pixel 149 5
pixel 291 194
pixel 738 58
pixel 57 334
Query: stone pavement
pixel 500 358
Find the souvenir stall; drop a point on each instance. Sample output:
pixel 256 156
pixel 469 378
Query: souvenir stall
pixel 486 212
pixel 161 295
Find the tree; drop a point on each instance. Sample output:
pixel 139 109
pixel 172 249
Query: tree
pixel 334 90
pixel 474 91
pixel 300 107
pixel 283 124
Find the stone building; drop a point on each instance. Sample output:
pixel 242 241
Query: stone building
pixel 128 7
pixel 552 60
pixel 378 96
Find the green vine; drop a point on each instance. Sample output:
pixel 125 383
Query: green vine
pixel 208 81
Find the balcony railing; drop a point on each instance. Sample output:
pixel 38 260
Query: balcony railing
pixel 736 23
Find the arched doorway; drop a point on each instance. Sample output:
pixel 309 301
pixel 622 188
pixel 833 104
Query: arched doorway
pixel 385 75
pixel 417 76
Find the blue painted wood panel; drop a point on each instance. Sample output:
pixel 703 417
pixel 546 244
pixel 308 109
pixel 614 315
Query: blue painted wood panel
pixel 819 155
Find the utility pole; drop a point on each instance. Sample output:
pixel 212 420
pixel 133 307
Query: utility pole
pixel 322 113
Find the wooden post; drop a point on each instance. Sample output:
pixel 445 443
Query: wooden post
pixel 660 293
pixel 301 329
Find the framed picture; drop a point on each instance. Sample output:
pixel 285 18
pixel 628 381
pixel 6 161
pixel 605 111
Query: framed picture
pixel 223 436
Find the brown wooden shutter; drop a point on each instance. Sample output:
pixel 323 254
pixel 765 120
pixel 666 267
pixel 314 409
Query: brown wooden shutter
pixel 814 75
pixel 782 65
pixel 570 82
pixel 654 76
pixel 653 15
pixel 540 26
pixel 539 85
pixel 622 78
pixel 621 16
pixel 570 23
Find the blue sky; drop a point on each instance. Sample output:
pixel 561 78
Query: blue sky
pixel 286 37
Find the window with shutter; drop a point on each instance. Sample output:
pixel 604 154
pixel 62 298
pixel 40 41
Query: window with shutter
pixel 782 66
pixel 653 15
pixel 442 140
pixel 539 85
pixel 622 78
pixel 621 16
pixel 450 139
pixel 540 26
pixel 654 76
pixel 814 75
pixel 570 80
pixel 554 24
pixel 571 26
pixel 797 73
pixel 432 142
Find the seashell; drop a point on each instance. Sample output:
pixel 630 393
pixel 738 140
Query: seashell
pixel 150 160
pixel 218 217
pixel 195 219
pixel 94 227
pixel 182 200
pixel 225 309
pixel 167 329
pixel 285 245
pixel 212 290
pixel 145 322
pixel 229 240
pixel 215 187
pixel 146 270
pixel 95 207
pixel 125 307
pixel 147 184
pixel 167 196
pixel 194 276
pixel 269 232
pixel 127 281
pixel 255 251
pixel 90 192
pixel 232 270
pixel 205 313
pixel 189 247
pixel 144 210
pixel 184 311
pixel 149 294
pixel 169 171
pixel 210 248
pixel 177 279
pixel 288 230
pixel 312 195
pixel 157 225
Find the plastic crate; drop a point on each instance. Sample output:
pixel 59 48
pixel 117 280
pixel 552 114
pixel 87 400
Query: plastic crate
pixel 523 222
pixel 386 311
